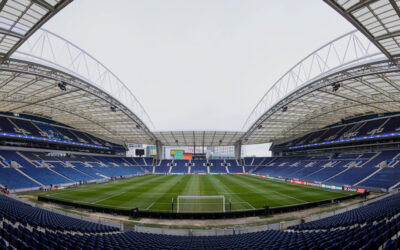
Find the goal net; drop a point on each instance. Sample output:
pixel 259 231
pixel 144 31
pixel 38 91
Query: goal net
pixel 200 204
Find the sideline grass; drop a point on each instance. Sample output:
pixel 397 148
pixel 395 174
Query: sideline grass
pixel 155 192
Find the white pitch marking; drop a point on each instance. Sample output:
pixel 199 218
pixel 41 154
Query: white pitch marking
pixel 251 205
pixel 109 197
pixel 150 205
pixel 290 196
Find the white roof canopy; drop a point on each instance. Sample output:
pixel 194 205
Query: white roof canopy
pixel 198 138
pixel 34 89
pixel 355 74
pixel 19 19
pixel 379 21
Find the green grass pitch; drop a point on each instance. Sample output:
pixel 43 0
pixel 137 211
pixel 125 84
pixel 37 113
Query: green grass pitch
pixel 155 192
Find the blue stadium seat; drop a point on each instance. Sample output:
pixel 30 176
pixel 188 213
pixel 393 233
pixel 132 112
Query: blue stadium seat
pixel 370 227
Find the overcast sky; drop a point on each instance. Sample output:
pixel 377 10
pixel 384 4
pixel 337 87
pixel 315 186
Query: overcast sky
pixel 199 65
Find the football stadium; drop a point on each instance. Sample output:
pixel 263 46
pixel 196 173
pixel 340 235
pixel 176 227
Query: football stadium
pixel 69 125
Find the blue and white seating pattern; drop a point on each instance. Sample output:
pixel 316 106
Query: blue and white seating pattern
pixel 25 227
pixel 354 129
pixel 35 169
pixel 371 170
pixel 26 127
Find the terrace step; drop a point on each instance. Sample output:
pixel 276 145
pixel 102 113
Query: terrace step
pixel 84 173
pixel 370 159
pixel 61 175
pixel 23 156
pixel 297 170
pixel 30 178
pixel 395 185
pixel 314 172
pixel 369 176
pixel 341 172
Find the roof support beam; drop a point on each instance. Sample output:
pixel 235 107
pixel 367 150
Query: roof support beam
pixel 349 17
pixel 238 150
pixel 359 5
pixel 353 100
pixel 59 6
pixel 352 93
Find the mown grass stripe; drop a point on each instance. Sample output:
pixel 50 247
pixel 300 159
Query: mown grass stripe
pixel 155 192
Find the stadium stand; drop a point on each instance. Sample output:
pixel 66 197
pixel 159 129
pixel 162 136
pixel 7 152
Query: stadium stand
pixel 233 166
pixel 379 169
pixel 374 212
pixel 163 167
pixel 11 178
pixel 70 172
pixel 218 170
pixel 355 154
pixel 374 226
pixel 25 214
pixel 355 130
pixel 250 163
pixel 24 169
pixel 356 174
pixel 198 166
pixel 37 129
pixel 374 169
pixel 180 166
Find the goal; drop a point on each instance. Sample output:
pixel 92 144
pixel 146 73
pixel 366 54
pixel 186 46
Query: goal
pixel 200 204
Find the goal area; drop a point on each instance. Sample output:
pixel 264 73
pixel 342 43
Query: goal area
pixel 200 204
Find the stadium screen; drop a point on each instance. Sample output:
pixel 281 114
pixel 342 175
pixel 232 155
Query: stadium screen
pixel 187 156
pixel 139 152
pixel 178 154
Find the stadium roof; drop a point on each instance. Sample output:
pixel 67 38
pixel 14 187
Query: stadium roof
pixel 200 138
pixel 379 21
pixel 19 19
pixel 354 75
pixel 51 77
pixel 64 83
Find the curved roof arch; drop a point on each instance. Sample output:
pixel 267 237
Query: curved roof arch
pixel 377 20
pixel 368 81
pixel 20 19
pixel 51 49
pixel 277 117
pixel 367 88
pixel 42 74
pixel 353 75
pixel 32 88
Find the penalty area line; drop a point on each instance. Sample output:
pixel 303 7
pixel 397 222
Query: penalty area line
pixel 150 205
pixel 108 197
pixel 251 206
pixel 290 196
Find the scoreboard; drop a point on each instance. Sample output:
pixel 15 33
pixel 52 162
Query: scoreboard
pixel 199 156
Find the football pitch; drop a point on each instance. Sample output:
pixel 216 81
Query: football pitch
pixel 156 193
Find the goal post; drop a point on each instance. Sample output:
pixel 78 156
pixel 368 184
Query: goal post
pixel 200 204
